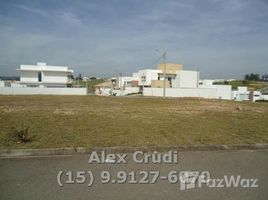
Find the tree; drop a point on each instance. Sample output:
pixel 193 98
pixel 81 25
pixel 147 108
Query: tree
pixel 79 77
pixel 252 77
pixel 264 77
pixel 71 77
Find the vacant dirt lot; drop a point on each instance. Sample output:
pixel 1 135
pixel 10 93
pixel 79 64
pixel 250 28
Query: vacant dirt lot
pixel 90 121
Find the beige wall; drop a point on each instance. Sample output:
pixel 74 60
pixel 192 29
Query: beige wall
pixel 159 84
pixel 170 68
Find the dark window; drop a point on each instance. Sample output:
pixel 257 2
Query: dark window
pixel 169 80
pixel 39 77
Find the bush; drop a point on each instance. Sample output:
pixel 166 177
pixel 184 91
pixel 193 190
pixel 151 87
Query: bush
pixel 244 82
pixel 22 134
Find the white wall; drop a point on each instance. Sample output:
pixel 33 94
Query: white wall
pixel 241 94
pixel 16 85
pixel 135 76
pixel 41 91
pixel 186 79
pixel 54 77
pixel 265 97
pixel 44 67
pixel 122 81
pixel 256 96
pixel 224 91
pixel 128 90
pixel 29 76
pixel 182 92
pixel 242 89
pixel 47 77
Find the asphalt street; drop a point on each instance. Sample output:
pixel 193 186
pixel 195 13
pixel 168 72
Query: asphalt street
pixel 68 177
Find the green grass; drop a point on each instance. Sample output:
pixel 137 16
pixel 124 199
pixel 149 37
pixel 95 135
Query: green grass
pixel 91 121
pixel 251 84
pixel 90 84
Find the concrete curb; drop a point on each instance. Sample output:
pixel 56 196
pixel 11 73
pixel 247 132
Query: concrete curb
pixel 119 149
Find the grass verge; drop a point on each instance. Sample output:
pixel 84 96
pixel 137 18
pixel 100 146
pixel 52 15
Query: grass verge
pixel 91 121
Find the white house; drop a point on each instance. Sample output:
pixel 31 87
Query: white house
pixel 257 96
pixel 124 81
pixel 42 75
pixel 264 93
pixel 260 95
pixel 146 76
pixel 177 83
pixel 183 83
pixel 2 83
pixel 186 79
pixel 241 94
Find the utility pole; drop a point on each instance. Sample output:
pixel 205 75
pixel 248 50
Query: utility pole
pixel 164 82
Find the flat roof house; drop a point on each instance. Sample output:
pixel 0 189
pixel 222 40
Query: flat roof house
pixel 171 72
pixel 42 75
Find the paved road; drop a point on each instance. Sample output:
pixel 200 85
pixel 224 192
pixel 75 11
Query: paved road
pixel 36 177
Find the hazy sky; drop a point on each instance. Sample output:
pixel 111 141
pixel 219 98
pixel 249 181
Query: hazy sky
pixel 223 38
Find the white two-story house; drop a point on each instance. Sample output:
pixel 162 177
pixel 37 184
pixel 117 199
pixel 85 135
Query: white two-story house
pixel 42 75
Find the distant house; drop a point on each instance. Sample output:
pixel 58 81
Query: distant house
pixel 171 71
pixel 241 94
pixel 260 95
pixel 42 75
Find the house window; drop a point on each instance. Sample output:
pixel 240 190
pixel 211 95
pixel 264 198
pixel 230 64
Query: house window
pixel 169 80
pixel 39 77
pixel 143 78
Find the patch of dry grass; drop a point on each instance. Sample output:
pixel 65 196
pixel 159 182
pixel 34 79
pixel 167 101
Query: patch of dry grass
pixel 91 121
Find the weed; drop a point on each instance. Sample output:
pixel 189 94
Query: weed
pixel 21 134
